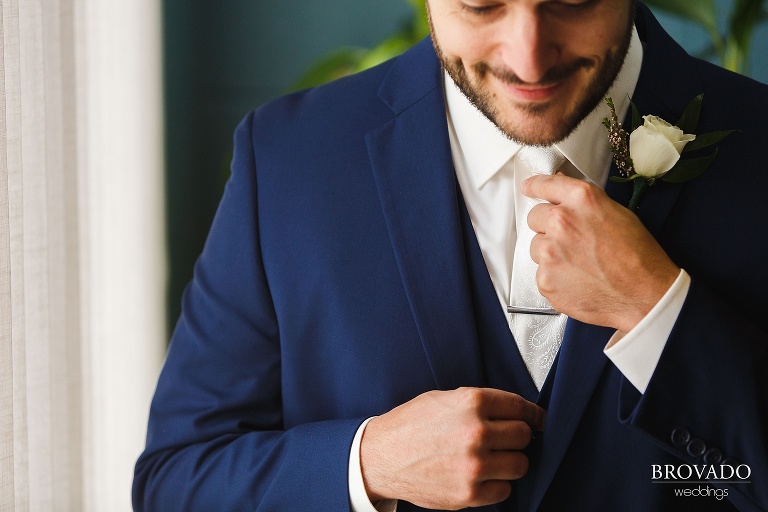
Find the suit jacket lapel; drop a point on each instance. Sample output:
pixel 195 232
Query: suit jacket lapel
pixel 411 161
pixel 580 365
pixel 661 91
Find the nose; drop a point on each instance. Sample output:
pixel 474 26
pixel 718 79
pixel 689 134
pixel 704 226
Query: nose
pixel 528 49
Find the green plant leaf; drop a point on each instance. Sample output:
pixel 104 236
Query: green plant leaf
pixel 706 139
pixel 347 60
pixel 744 16
pixel 688 169
pixel 385 50
pixel 690 118
pixel 703 12
pixel 420 23
pixel 336 64
pixel 620 179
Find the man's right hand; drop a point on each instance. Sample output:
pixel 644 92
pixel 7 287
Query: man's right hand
pixel 449 449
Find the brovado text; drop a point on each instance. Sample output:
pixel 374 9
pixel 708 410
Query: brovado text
pixel 721 473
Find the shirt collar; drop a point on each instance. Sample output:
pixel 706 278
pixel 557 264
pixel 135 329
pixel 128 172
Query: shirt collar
pixel 486 149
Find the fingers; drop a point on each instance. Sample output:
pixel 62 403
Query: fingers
pixel 508 435
pixel 492 491
pixel 561 189
pixel 562 195
pixel 478 494
pixel 550 188
pixel 539 215
pixel 503 465
pixel 566 197
pixel 495 404
pixel 486 477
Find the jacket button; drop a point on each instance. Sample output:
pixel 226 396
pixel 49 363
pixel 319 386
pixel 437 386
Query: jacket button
pixel 681 437
pixel 713 456
pixel 696 448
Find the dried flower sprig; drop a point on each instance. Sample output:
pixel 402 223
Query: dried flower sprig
pixel 618 140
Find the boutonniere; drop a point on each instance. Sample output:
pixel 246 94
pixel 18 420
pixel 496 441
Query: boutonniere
pixel 654 148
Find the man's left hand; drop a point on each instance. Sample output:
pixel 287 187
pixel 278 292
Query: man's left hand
pixel 597 262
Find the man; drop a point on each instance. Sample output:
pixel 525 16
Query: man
pixel 346 341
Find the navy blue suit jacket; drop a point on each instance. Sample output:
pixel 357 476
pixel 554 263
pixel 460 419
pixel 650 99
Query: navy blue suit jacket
pixel 340 279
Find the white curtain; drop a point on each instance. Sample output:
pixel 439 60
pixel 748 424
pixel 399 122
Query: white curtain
pixel 82 270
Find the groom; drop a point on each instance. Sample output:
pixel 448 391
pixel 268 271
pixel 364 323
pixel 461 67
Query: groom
pixel 351 337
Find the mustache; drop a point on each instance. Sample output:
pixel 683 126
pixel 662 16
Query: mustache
pixel 552 76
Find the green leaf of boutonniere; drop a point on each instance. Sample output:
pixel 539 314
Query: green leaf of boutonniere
pixel 706 139
pixel 690 118
pixel 689 168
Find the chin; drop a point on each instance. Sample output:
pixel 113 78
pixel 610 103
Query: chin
pixel 537 129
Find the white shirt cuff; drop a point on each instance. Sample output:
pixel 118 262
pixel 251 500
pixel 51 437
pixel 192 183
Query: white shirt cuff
pixel 637 352
pixel 358 497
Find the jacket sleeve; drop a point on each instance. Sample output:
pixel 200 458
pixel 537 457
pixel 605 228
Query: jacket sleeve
pixel 216 437
pixel 707 401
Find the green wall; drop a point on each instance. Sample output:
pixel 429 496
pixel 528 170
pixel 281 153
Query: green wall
pixel 224 58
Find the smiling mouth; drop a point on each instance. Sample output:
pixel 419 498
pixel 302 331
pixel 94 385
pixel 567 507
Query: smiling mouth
pixel 533 93
pixel 546 89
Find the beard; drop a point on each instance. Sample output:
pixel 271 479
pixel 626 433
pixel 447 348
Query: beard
pixel 548 133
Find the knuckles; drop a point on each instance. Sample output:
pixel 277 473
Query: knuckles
pixel 559 222
pixel 479 493
pixel 474 468
pixel 469 398
pixel 546 252
pixel 585 194
pixel 475 435
pixel 468 489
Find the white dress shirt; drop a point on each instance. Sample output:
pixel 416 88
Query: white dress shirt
pixel 484 162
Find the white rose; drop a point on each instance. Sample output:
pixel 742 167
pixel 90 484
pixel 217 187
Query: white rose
pixel 655 147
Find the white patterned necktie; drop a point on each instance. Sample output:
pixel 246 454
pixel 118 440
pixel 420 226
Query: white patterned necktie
pixel 537 328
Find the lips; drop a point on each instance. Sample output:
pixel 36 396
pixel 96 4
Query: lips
pixel 532 93
pixel 551 84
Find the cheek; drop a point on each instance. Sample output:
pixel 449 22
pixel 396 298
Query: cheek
pixel 593 37
pixel 458 41
pixel 614 35
pixel 611 37
pixel 591 42
pixel 461 45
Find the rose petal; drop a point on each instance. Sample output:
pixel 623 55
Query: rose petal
pixel 652 153
pixel 685 139
pixel 673 133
